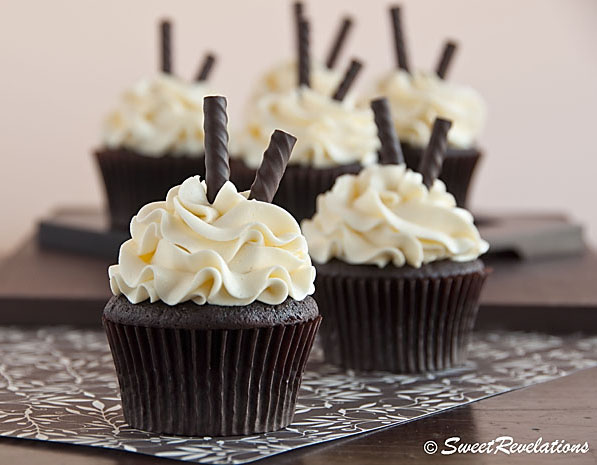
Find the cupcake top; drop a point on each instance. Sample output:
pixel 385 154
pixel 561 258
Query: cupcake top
pixel 233 251
pixel 329 132
pixel 418 98
pixel 284 77
pixel 386 215
pixel 158 116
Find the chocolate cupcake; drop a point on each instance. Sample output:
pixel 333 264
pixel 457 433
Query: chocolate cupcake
pixel 212 322
pixel 313 102
pixel 398 275
pixel 416 100
pixel 153 139
pixel 418 97
pixel 334 138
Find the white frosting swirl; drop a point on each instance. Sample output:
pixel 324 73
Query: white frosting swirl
pixel 417 99
pixel 284 77
pixel 328 132
pixel 158 116
pixel 232 252
pixel 385 214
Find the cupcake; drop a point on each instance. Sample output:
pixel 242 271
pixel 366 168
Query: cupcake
pixel 311 100
pixel 334 136
pixel 153 138
pixel 418 97
pixel 212 322
pixel 398 274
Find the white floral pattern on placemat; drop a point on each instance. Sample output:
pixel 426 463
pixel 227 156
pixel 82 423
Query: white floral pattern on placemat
pixel 58 384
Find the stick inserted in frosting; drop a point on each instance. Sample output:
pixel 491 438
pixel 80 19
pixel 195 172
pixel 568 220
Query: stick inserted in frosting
pixel 339 41
pixel 273 165
pixel 446 58
pixel 433 156
pixel 206 67
pixel 166 46
pixel 299 11
pixel 390 152
pixel 349 77
pixel 215 120
pixel 400 47
pixel 304 63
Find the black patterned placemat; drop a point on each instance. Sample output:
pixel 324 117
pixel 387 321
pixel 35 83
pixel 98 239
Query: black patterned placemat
pixel 59 385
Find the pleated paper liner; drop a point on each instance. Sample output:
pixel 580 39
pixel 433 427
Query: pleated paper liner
pixel 132 180
pixel 402 324
pixel 300 185
pixel 218 382
pixel 457 170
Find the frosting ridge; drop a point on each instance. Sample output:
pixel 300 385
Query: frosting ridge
pixel 157 116
pixel 386 215
pixel 231 252
pixel 417 99
pixel 328 132
pixel 283 78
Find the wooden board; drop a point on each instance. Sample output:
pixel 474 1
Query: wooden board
pixel 39 286
pixel 527 236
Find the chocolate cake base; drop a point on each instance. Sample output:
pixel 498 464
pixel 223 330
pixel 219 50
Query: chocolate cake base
pixel 132 180
pixel 300 185
pixel 403 320
pixel 210 370
pixel 457 170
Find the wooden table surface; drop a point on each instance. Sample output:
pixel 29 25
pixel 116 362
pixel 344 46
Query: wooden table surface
pixel 558 295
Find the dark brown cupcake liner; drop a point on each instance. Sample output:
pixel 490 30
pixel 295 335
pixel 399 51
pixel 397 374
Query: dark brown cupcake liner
pixel 216 382
pixel 457 170
pixel 300 185
pixel 132 180
pixel 397 324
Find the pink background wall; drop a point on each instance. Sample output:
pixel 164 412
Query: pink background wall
pixel 64 62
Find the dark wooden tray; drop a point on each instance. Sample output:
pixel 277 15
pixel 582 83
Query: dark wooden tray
pixel 87 231
pixel 555 294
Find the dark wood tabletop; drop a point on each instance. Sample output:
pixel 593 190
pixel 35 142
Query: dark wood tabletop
pixel 555 295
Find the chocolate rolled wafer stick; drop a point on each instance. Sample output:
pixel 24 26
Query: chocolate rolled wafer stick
pixel 298 15
pixel 339 41
pixel 349 77
pixel 399 45
pixel 215 120
pixel 433 156
pixel 446 58
pixel 166 46
pixel 304 63
pixel 299 11
pixel 273 165
pixel 391 151
pixel 206 67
